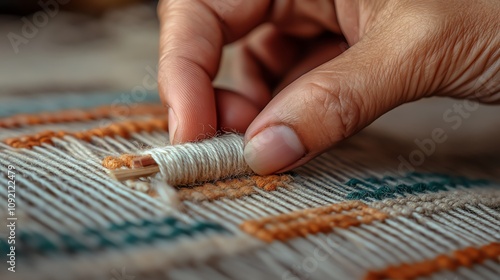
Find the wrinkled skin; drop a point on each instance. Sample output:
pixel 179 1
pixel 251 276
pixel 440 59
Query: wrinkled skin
pixel 301 89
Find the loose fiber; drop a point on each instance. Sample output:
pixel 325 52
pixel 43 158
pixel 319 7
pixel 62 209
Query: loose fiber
pixel 210 160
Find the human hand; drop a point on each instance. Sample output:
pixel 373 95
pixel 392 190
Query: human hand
pixel 401 50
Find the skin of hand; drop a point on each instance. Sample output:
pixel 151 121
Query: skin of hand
pixel 324 91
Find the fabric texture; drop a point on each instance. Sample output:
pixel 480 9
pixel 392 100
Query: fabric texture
pixel 356 212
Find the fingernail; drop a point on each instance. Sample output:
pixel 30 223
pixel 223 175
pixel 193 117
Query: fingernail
pixel 172 124
pixel 273 149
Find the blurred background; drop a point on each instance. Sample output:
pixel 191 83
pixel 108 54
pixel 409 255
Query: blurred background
pixel 52 48
pixel 76 45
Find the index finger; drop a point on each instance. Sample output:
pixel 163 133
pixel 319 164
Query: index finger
pixel 191 40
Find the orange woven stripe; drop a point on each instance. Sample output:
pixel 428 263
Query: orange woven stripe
pixel 463 257
pixel 111 162
pixel 233 188
pixel 123 129
pixel 76 115
pixel 312 221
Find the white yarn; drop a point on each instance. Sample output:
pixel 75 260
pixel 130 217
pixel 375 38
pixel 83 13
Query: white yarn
pixel 166 193
pixel 209 160
pixel 430 203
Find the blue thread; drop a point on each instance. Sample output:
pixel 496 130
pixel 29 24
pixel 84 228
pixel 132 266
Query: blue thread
pixel 374 180
pixel 4 248
pixel 402 189
pixel 35 104
pixel 444 183
pixel 106 243
pixel 419 187
pixel 71 244
pixel 359 195
pixel 42 242
pixel 355 182
pixel 131 239
pixel 437 186
pixel 132 233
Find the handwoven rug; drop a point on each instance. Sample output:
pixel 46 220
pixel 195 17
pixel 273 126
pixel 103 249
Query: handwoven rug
pixel 360 211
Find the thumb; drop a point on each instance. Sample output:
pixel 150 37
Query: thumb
pixel 331 103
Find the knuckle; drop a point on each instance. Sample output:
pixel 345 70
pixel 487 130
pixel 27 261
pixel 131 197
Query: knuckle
pixel 338 110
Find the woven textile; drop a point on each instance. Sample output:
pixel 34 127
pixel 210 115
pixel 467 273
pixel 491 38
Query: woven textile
pixel 356 212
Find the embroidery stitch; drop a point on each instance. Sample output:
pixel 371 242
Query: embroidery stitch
pixel 111 162
pixel 146 231
pixel 437 202
pixel 234 188
pixel 463 257
pixel 386 191
pixel 312 221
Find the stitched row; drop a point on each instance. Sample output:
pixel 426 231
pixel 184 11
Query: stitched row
pixel 123 129
pixel 464 257
pixel 438 202
pixel 372 182
pixel 233 188
pixel 403 189
pixel 111 162
pixel 116 236
pixel 82 115
pixel 312 221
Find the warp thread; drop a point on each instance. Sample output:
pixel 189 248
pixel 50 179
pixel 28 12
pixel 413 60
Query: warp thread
pixel 212 159
pixel 464 257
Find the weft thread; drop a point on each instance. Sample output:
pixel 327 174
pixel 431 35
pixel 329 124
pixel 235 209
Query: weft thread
pixel 312 220
pixel 463 257
pixel 209 160
pixel 123 129
pixel 234 188
pixel 82 115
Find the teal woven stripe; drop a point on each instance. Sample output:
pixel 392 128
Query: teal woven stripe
pixel 438 182
pixel 56 102
pixel 115 236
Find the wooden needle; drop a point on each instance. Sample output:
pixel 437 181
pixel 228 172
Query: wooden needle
pixel 143 161
pixel 141 167
pixel 134 173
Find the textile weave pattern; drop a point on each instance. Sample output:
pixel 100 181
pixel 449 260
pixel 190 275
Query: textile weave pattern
pixel 352 213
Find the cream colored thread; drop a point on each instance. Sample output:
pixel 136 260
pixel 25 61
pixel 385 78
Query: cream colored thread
pixel 213 159
pixel 437 202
